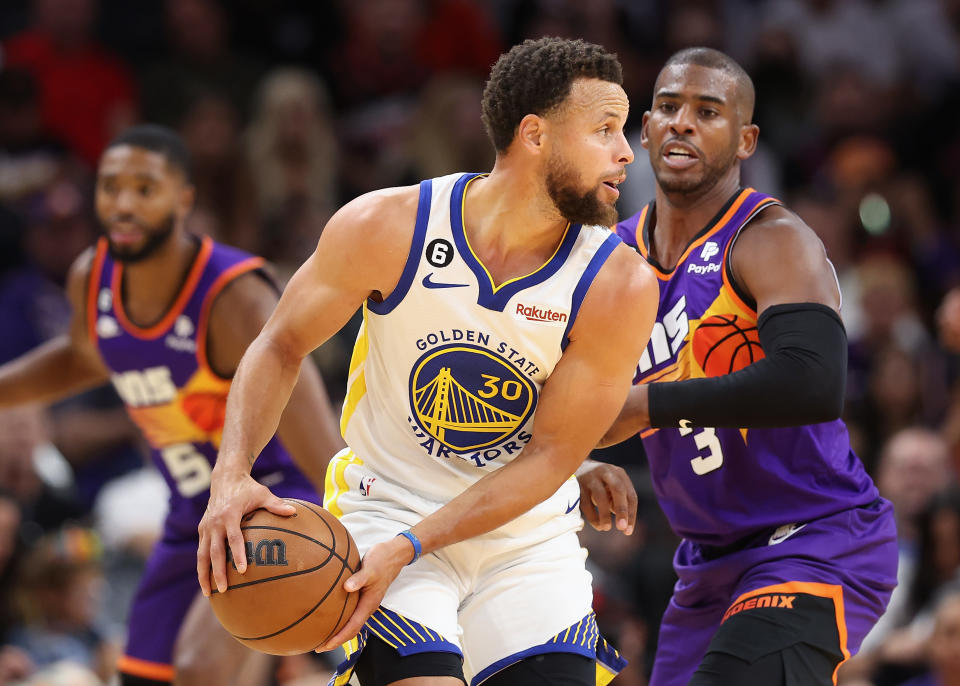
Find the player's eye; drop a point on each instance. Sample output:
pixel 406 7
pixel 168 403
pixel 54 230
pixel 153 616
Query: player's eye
pixel 708 113
pixel 146 191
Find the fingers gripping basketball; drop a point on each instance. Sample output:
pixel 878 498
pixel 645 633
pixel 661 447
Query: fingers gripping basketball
pixel 291 598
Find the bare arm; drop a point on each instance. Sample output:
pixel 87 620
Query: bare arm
pixel 578 402
pixel 779 260
pixel 307 426
pixel 361 253
pixel 64 365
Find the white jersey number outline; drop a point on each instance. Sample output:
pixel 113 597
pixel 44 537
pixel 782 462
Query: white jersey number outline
pixel 707 440
pixel 190 470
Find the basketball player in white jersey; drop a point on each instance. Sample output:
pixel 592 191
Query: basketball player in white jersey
pixel 500 334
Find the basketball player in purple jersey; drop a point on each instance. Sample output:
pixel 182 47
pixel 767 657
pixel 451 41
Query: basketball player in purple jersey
pixel 789 554
pixel 166 316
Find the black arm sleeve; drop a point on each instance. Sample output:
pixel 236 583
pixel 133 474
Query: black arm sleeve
pixel 801 379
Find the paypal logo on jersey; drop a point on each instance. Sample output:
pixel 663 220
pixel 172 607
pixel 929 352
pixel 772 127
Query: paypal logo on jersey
pixel 710 249
pixel 181 338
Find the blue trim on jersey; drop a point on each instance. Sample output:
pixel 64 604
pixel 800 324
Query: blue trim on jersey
pixel 345 668
pixel 582 638
pixel 406 636
pixel 543 649
pixel 496 297
pixel 589 274
pixel 413 259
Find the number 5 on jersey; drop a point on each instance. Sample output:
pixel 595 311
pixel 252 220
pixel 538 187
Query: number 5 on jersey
pixel 189 469
pixel 707 440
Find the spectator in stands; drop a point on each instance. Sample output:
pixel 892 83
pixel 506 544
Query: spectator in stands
pixel 60 593
pixel 87 94
pixel 292 152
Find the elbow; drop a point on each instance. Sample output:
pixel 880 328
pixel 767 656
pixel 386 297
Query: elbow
pixel 825 401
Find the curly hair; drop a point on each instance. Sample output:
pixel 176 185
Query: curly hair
pixel 535 77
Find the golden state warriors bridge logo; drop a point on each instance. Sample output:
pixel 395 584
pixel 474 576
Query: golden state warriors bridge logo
pixel 469 398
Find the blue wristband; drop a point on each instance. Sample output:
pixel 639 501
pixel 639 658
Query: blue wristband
pixel 417 548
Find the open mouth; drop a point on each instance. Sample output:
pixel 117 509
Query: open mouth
pixel 679 156
pixel 613 183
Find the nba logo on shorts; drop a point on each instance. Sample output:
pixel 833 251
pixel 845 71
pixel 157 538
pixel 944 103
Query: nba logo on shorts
pixel 365 484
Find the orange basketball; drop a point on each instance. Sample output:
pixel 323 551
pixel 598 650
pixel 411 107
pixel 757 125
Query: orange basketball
pixel 291 598
pixel 725 343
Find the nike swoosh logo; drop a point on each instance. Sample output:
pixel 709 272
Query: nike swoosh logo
pixel 784 532
pixel 429 283
pixel 571 508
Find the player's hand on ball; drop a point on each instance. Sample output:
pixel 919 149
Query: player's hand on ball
pixel 379 567
pixel 232 495
pixel 606 490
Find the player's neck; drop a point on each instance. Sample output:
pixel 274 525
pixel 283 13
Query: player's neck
pixel 681 216
pixel 151 286
pixel 510 222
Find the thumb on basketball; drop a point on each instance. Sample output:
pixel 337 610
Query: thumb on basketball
pixel 357 581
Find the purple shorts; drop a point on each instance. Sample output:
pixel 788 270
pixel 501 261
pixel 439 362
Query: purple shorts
pixel 849 557
pixel 169 586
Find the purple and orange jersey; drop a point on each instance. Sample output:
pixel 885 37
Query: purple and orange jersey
pixel 719 485
pixel 780 524
pixel 164 378
pixel 177 400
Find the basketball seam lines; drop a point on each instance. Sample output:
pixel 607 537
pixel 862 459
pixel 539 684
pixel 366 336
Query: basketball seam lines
pixel 725 338
pixel 303 617
pixel 346 563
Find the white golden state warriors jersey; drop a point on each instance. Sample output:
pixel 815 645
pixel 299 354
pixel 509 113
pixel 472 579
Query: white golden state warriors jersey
pixel 447 370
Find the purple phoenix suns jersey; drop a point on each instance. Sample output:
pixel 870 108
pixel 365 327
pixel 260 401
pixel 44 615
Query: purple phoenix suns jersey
pixel 719 485
pixel 162 375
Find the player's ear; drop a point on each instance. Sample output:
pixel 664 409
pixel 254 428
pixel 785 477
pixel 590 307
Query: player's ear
pixel 188 196
pixel 530 133
pixel 644 135
pixel 749 133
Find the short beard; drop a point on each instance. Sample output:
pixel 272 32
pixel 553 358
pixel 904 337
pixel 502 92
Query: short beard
pixel 712 173
pixel 576 206
pixel 157 237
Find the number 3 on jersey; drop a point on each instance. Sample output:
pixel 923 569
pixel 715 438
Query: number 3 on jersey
pixel 189 469
pixel 707 440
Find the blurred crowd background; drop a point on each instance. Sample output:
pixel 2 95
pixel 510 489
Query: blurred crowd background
pixel 292 107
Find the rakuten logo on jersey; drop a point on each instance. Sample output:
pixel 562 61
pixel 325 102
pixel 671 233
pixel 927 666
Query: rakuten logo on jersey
pixel 702 268
pixel 533 313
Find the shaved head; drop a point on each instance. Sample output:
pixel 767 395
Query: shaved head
pixel 714 59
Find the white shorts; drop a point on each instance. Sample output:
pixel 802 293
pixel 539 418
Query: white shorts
pixel 498 597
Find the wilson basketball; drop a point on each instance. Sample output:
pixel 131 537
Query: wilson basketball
pixel 725 343
pixel 291 598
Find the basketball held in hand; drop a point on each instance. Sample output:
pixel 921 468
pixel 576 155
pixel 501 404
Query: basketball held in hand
pixel 726 343
pixel 291 598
